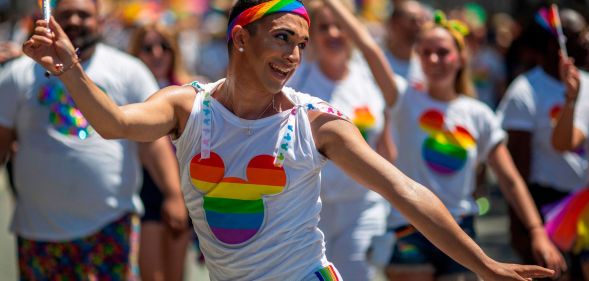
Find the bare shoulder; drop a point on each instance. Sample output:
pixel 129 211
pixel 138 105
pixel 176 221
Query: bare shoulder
pixel 330 131
pixel 178 96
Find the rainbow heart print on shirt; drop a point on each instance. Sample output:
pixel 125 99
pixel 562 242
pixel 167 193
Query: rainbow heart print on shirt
pixel 445 151
pixel 364 120
pixel 554 113
pixel 63 114
pixel 234 207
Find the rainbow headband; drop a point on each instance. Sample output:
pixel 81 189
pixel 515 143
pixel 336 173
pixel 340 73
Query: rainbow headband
pixel 456 28
pixel 267 8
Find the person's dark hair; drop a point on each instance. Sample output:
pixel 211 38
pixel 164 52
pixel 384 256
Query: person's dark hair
pixel 238 8
pixel 546 44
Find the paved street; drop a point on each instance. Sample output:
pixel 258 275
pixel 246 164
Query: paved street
pixel 492 230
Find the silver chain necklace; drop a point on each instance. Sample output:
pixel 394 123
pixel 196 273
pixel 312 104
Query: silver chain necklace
pixel 249 130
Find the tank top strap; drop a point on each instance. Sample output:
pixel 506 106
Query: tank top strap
pixel 326 108
pixel 288 136
pixel 206 121
pixel 196 85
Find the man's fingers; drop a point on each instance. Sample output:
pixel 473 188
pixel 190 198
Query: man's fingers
pixel 534 271
pixel 42 40
pixel 57 28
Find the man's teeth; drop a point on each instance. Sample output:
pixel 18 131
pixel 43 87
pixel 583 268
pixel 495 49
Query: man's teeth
pixel 283 71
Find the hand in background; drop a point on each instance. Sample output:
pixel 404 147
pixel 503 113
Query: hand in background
pixel 9 50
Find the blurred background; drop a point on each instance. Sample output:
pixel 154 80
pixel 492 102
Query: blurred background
pixel 200 28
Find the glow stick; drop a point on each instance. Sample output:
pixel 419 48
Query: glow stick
pixel 47 11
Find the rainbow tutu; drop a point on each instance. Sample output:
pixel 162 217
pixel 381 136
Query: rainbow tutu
pixel 567 222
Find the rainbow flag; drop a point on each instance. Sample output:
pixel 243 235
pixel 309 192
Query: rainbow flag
pixel 550 20
pixel 567 222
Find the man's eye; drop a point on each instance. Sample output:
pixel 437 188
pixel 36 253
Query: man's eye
pixel 302 46
pixel 282 36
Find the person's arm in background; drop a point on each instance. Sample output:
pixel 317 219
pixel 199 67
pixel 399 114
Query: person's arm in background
pixel 341 142
pixel 9 94
pixel 517 195
pixel 159 160
pixel 385 145
pixel 375 57
pixel 9 51
pixel 566 136
pixel 7 138
pixel 520 148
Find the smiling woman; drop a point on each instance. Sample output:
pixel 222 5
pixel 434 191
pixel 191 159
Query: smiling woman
pixel 254 197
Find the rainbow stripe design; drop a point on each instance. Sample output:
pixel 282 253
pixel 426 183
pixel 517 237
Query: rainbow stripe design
pixel 549 19
pixel 267 8
pixel 445 152
pixel 364 120
pixel 234 207
pixel 327 273
pixel 554 113
pixel 64 116
pixel 567 222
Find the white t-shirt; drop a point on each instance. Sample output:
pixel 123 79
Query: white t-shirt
pixel 410 70
pixel 440 145
pixel 532 103
pixel 254 220
pixel 359 98
pixel 70 181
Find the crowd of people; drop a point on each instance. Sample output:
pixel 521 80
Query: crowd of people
pixel 284 138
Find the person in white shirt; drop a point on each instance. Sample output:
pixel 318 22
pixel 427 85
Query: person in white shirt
pixel 403 27
pixel 250 152
pixel 76 213
pixel 529 112
pixel 442 134
pixel 351 215
pixel 571 129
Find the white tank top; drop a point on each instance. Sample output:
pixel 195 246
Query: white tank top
pixel 252 189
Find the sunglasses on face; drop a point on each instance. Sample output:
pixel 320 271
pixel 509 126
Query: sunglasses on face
pixel 149 48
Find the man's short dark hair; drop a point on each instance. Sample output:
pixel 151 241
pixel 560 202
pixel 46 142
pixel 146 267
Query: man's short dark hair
pixel 238 8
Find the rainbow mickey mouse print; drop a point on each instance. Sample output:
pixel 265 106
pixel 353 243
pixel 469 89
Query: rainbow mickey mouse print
pixel 234 207
pixel 445 151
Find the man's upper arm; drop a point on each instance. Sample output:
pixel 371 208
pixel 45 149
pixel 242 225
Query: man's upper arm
pixel 163 113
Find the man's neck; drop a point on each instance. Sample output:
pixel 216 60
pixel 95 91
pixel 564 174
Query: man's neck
pixel 400 49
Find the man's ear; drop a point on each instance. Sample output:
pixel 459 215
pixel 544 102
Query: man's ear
pixel 240 37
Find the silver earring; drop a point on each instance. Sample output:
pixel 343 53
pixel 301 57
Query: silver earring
pixel 240 49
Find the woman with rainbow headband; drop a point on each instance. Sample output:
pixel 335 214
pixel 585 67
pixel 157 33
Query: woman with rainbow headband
pixel 250 153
